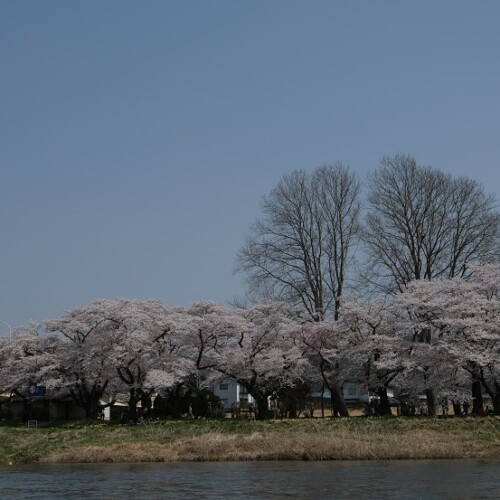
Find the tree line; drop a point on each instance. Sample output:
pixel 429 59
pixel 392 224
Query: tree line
pixel 393 288
pixel 321 237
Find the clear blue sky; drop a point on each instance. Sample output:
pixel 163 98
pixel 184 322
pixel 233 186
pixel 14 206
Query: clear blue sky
pixel 137 138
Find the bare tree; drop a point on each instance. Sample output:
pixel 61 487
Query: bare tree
pixel 299 251
pixel 424 224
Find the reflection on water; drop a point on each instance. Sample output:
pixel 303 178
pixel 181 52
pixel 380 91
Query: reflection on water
pixel 427 479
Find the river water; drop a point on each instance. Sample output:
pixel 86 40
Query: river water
pixel 426 479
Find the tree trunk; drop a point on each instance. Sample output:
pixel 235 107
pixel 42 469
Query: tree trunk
pixel 133 399
pixel 262 412
pixel 457 410
pixel 92 408
pixel 496 399
pixel 494 393
pixel 425 337
pixel 338 402
pixel 385 405
pixel 174 403
pixel 26 414
pixel 431 402
pixel 146 402
pixel 88 398
pixel 477 398
pixel 323 401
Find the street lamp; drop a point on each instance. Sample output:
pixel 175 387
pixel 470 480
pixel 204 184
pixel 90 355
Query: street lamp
pixel 8 326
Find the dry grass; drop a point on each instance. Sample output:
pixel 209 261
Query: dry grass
pixel 220 447
pixel 350 439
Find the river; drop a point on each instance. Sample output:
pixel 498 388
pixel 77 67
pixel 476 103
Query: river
pixel 426 479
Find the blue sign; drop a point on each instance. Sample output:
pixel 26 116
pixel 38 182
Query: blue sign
pixel 37 390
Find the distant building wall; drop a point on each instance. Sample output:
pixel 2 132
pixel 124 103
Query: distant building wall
pixel 230 392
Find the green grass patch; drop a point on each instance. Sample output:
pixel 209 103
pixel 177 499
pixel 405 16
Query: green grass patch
pixel 371 437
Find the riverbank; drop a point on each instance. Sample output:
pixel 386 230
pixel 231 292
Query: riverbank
pixel 235 440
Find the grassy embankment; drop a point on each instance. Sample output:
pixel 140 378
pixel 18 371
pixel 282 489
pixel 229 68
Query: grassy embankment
pixel 301 439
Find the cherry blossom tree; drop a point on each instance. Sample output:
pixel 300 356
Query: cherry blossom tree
pixel 116 346
pixel 88 335
pixel 424 224
pixel 198 327
pixel 146 350
pixel 372 342
pixel 322 346
pixel 255 348
pixel 28 360
pixel 463 317
pixel 176 371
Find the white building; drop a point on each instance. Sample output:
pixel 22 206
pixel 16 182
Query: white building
pixel 353 392
pixel 230 392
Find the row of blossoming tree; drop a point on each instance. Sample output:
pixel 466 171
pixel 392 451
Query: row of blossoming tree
pixel 440 336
